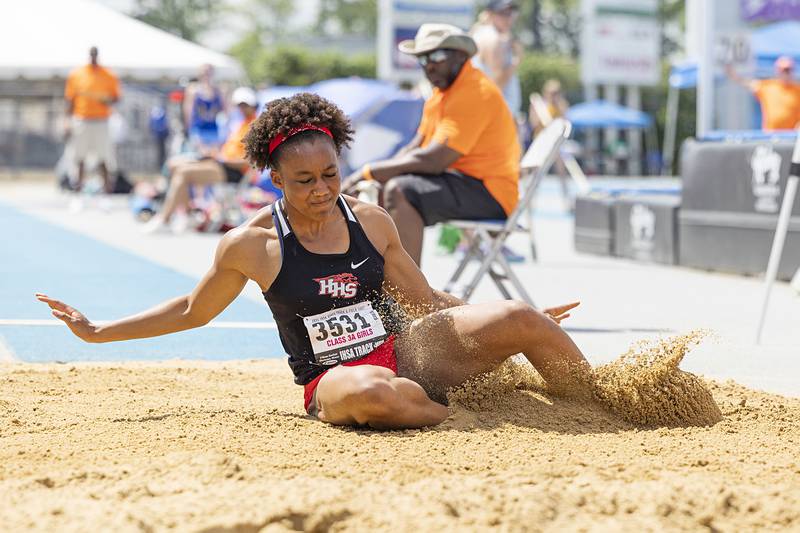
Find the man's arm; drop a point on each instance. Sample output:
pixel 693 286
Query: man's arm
pixel 116 90
pixel 748 83
pixel 413 143
pixel 433 159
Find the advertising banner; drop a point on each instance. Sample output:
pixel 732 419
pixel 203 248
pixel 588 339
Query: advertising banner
pixel 769 10
pixel 620 42
pixel 399 20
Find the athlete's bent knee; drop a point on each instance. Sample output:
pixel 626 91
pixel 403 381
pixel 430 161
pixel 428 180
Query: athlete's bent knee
pixel 373 400
pixel 525 316
pixel 519 313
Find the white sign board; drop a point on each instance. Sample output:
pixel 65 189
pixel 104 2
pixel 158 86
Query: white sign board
pixel 732 48
pixel 399 20
pixel 620 42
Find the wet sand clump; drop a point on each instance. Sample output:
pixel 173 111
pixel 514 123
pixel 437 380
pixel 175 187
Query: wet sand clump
pixel 646 387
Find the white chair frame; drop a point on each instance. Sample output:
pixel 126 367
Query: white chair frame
pixel 537 160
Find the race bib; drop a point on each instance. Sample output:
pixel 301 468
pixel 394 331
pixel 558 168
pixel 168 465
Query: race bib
pixel 345 334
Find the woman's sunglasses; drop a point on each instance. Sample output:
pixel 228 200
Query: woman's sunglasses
pixel 437 56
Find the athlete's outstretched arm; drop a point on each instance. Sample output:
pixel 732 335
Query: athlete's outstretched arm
pixel 218 288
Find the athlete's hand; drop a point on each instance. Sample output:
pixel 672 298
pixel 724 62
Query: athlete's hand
pixel 74 319
pixel 560 312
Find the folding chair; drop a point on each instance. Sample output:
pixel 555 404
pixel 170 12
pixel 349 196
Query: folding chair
pixel 486 237
pixel 539 107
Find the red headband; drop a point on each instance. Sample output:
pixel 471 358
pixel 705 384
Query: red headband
pixel 279 138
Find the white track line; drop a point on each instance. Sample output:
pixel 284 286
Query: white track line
pixel 214 325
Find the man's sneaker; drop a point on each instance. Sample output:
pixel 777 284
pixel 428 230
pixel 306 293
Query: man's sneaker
pixel 511 256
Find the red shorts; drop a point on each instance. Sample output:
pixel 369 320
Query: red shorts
pixel 383 356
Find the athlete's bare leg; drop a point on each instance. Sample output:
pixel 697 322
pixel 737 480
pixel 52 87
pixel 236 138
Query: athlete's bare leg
pixel 374 396
pixel 202 172
pixel 444 350
pixel 448 347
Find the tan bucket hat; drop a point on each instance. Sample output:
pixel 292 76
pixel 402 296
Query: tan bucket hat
pixel 433 36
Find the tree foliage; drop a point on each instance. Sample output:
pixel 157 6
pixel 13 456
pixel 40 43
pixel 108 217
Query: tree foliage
pixel 266 19
pixel 555 26
pixel 349 17
pixel 536 68
pixel 291 65
pixel 552 26
pixel 185 18
pixel 671 16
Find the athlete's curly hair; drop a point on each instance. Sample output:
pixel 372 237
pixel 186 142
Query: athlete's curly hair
pixel 283 114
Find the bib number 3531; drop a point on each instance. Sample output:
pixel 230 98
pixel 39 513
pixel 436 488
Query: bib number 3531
pixel 345 334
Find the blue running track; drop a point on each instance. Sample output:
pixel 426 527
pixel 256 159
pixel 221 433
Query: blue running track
pixel 105 283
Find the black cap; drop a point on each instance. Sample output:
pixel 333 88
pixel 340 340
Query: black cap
pixel 501 5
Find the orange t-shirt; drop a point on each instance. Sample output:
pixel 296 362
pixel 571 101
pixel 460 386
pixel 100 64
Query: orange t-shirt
pixel 87 87
pixel 233 149
pixel 780 104
pixel 472 118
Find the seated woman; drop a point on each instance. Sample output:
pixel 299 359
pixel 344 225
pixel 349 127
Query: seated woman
pixel 229 165
pixel 331 269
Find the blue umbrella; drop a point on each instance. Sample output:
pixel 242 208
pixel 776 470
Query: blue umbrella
pixel 603 114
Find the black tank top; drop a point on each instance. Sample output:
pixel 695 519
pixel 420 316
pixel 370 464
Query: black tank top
pixel 310 284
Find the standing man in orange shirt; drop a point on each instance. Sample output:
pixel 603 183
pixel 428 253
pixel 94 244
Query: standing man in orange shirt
pixel 90 92
pixel 779 97
pixel 464 161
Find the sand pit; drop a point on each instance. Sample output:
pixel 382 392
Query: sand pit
pixel 189 446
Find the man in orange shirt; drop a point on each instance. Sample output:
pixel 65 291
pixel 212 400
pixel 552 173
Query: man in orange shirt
pixel 230 165
pixel 90 92
pixel 464 161
pixel 779 97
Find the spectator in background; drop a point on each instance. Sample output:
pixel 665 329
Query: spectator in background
pixel 202 102
pixel 550 105
pixel 779 97
pixel 464 160
pixel 90 92
pixel 159 128
pixel 499 53
pixel 230 165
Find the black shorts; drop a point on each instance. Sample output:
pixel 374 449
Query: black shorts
pixel 232 174
pixel 448 196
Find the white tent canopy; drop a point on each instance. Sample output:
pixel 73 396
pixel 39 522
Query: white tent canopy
pixel 41 39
